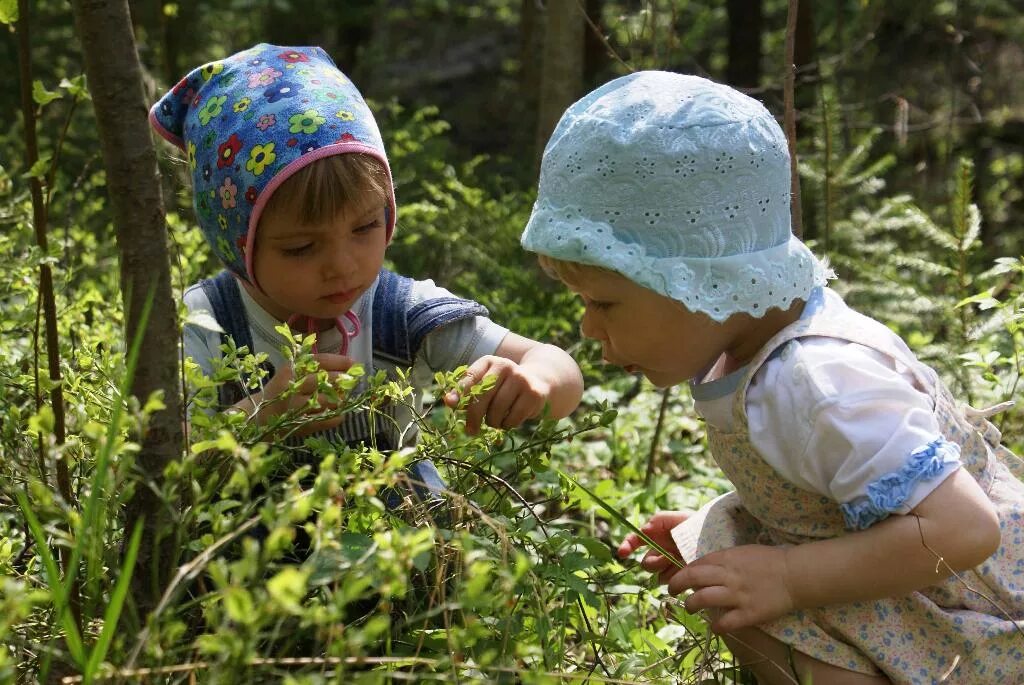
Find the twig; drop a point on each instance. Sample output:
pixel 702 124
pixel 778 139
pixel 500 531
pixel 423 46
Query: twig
pixel 941 563
pixel 665 395
pixel 600 36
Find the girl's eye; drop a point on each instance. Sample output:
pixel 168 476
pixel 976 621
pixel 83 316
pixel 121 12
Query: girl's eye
pixel 599 306
pixel 366 228
pixel 297 251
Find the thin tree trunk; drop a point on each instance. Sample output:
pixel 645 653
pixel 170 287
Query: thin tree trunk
pixel 805 99
pixel 46 295
pixel 596 58
pixel 790 117
pixel 115 81
pixel 746 20
pixel 561 80
pixel 531 50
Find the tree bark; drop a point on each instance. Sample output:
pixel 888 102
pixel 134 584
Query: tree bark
pixel 788 88
pixel 114 75
pixel 746 20
pixel 561 80
pixel 531 50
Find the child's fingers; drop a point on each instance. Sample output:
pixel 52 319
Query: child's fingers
pixel 471 377
pixel 655 562
pixel 333 362
pixel 326 402
pixel 694 576
pixel 664 522
pixel 631 544
pixel 708 598
pixel 665 576
pixel 524 408
pixel 502 398
pixel 476 411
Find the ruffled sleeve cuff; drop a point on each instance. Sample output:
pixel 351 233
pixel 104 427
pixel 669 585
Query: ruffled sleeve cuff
pixel 900 491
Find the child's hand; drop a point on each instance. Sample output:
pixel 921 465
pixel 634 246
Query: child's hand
pixel 659 529
pixel 517 395
pixel 744 586
pixel 271 404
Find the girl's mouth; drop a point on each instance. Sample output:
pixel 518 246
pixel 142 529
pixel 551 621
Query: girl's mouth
pixel 342 297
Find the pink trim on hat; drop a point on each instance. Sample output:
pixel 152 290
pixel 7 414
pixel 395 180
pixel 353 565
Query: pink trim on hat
pixel 347 147
pixel 164 133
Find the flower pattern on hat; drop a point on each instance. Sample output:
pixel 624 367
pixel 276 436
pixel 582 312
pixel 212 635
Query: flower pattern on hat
pixel 248 122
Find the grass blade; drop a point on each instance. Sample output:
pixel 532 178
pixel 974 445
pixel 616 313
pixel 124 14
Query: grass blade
pixel 113 612
pixel 90 521
pixel 59 592
pixel 624 521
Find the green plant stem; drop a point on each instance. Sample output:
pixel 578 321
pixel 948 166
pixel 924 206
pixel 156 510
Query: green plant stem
pixel 652 455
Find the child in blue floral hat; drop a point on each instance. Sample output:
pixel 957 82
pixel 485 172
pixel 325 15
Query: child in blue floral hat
pixel 861 484
pixel 293 192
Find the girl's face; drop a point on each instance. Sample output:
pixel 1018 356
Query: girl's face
pixel 649 333
pixel 318 270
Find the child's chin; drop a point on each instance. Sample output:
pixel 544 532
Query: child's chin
pixel 662 380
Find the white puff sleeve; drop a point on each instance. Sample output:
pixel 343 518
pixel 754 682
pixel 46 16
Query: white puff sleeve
pixel 848 422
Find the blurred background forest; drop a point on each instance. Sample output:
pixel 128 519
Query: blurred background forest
pixel 910 134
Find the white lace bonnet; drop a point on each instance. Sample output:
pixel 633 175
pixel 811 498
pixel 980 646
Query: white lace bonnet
pixel 680 184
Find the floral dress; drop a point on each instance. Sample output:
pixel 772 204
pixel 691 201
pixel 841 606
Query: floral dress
pixel 951 632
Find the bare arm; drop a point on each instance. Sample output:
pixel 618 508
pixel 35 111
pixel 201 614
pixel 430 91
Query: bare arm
pixel 552 365
pixel 753 584
pixel 889 559
pixel 529 377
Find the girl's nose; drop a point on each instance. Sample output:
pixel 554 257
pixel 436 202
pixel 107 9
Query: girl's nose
pixel 339 262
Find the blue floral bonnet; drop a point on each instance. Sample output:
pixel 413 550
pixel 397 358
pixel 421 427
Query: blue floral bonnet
pixel 681 185
pixel 250 121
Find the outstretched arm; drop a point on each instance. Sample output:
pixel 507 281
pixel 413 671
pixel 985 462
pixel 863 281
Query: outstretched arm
pixel 529 376
pixel 753 584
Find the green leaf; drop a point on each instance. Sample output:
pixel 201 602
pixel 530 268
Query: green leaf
pixel 239 605
pixel 41 95
pixel 40 168
pixel 8 11
pixel 288 587
pixel 596 548
pixel 76 87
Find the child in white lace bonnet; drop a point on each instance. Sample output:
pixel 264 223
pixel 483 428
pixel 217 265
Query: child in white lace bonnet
pixel 861 485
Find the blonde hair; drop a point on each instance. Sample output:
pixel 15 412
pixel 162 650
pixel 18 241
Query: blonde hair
pixel 321 190
pixel 566 271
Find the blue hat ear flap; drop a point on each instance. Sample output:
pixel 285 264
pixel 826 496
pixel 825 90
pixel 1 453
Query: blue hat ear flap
pixel 387 214
pixel 169 112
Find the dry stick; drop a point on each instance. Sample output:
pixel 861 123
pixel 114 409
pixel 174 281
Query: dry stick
pixel 665 394
pixel 45 286
pixel 600 36
pixel 790 119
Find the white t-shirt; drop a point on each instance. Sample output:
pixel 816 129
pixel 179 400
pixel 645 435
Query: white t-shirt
pixel 446 348
pixel 834 417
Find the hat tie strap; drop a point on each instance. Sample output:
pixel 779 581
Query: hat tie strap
pixel 339 323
